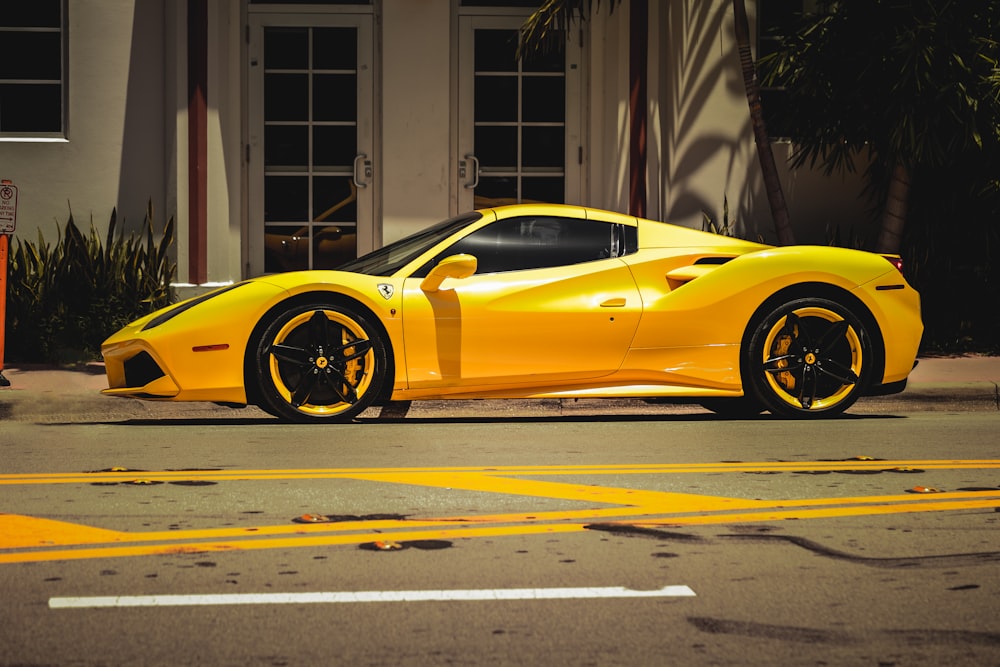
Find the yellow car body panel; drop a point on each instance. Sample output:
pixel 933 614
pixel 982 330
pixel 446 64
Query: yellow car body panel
pixel 668 313
pixel 554 327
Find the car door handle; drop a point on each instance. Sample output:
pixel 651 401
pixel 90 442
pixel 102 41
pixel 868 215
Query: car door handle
pixel 614 303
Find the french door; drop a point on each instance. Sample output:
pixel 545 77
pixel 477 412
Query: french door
pixel 310 141
pixel 519 125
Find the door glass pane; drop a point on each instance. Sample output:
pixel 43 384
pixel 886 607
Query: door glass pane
pixel 334 145
pixel 335 48
pixel 286 48
pixel 335 97
pixel 496 147
pixel 542 146
pixel 286 198
pixel 543 99
pixel 496 51
pixel 550 189
pixel 286 146
pixel 496 98
pixel 287 97
pixel 335 199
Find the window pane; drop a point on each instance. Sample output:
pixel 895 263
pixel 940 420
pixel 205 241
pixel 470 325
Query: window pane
pixel 544 99
pixel 335 48
pixel 286 198
pixel 543 147
pixel 496 191
pixel 286 248
pixel 34 14
pixel 334 146
pixel 286 48
pixel 496 98
pixel 496 146
pixel 335 97
pixel 548 189
pixel 31 55
pixel 334 245
pixel 286 146
pixel 30 108
pixel 552 59
pixel 334 199
pixel 496 51
pixel 286 97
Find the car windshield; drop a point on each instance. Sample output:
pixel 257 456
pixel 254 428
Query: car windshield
pixel 391 258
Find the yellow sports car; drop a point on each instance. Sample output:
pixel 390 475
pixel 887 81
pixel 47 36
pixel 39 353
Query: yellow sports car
pixel 540 301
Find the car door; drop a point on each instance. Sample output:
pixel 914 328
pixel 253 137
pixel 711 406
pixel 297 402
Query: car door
pixel 549 303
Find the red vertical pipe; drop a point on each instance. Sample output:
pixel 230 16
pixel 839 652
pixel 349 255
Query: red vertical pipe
pixel 197 34
pixel 638 48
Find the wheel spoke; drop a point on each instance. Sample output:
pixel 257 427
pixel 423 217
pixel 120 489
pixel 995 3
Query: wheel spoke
pixel 293 355
pixel 360 346
pixel 340 386
pixel 304 388
pixel 807 387
pixel 838 372
pixel 319 330
pixel 792 364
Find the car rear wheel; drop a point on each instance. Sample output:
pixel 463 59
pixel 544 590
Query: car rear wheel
pixel 808 358
pixel 320 362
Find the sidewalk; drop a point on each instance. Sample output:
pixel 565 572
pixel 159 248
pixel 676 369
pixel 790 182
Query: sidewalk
pixel 47 394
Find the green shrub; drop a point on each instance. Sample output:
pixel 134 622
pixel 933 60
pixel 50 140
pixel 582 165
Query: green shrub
pixel 64 300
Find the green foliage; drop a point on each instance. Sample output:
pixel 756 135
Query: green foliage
pixel 914 83
pixel 63 300
pixel 951 255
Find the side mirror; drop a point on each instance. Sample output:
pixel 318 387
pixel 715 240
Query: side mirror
pixel 455 266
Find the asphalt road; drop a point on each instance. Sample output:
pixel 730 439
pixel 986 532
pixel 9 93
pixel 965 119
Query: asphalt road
pixel 559 534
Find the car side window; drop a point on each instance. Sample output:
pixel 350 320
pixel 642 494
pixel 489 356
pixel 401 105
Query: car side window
pixel 537 242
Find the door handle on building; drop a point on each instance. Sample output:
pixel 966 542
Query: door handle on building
pixel 475 171
pixel 362 170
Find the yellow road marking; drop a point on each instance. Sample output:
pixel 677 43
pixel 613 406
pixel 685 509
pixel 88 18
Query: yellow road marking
pixel 27 539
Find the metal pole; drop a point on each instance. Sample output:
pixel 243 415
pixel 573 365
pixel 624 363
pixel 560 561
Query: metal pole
pixel 4 244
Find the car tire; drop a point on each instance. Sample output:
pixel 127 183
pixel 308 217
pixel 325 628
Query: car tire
pixel 320 361
pixel 808 358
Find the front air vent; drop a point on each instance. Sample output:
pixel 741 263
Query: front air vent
pixel 140 370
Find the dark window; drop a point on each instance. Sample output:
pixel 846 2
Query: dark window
pixel 32 78
pixel 519 244
pixel 775 20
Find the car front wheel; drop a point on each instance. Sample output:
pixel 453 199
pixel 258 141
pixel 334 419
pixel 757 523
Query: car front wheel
pixel 808 358
pixel 320 362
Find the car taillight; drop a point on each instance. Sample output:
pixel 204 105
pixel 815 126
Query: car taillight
pixel 896 261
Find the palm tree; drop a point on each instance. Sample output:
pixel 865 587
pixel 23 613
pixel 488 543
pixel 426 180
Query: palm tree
pixel 903 85
pixel 553 18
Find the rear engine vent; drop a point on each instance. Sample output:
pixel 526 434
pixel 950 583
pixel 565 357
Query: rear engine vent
pixel 140 370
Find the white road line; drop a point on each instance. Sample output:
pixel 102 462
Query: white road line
pixel 367 596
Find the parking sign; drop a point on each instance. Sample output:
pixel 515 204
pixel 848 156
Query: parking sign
pixel 8 207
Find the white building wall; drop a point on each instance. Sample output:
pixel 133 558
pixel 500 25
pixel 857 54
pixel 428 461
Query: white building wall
pixel 113 154
pixel 416 115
